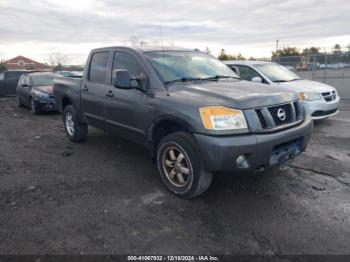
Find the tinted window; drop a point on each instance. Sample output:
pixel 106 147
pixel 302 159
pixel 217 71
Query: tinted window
pixel 13 74
pixel 2 75
pixel 127 62
pixel 98 67
pixel 247 73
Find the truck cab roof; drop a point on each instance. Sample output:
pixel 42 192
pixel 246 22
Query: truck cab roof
pixel 146 49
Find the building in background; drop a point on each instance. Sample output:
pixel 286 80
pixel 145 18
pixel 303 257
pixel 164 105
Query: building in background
pixel 24 63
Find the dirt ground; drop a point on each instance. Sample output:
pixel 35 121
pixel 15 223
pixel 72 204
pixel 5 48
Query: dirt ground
pixel 105 197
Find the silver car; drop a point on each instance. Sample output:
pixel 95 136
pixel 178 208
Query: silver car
pixel 320 100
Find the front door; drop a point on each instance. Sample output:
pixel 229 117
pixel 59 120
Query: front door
pixel 126 108
pixel 94 89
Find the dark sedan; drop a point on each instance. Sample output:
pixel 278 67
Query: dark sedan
pixel 35 90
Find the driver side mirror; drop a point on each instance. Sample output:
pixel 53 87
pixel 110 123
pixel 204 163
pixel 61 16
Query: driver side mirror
pixel 257 79
pixel 121 78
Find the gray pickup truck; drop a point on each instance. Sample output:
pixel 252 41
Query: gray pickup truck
pixel 195 114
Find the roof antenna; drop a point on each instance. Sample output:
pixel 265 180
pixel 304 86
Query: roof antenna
pixel 163 57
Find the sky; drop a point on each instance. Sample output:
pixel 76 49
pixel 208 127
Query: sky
pixel 37 28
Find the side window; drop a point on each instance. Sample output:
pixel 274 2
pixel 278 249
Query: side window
pixel 13 74
pixel 98 67
pixel 2 75
pixel 127 62
pixel 247 73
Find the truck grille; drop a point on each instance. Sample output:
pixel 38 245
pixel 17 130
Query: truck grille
pixel 281 114
pixel 329 96
pixel 273 117
pixel 261 118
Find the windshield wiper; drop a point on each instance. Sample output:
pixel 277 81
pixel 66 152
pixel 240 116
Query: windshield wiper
pixel 218 77
pixel 182 79
pixel 295 79
pixel 279 81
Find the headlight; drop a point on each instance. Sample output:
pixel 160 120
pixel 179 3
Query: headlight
pixel 222 118
pixel 309 96
pixel 41 94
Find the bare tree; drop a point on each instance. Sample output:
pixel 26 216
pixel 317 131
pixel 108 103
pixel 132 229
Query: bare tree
pixel 57 60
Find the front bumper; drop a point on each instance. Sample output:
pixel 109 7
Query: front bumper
pixel 320 109
pixel 46 104
pixel 220 153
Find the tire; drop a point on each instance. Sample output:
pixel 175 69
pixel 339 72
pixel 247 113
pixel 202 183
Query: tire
pixel 75 131
pixel 19 104
pixel 34 107
pixel 194 179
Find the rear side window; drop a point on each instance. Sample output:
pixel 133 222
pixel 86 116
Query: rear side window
pixel 98 67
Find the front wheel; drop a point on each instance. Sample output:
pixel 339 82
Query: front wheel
pixel 75 131
pixel 180 165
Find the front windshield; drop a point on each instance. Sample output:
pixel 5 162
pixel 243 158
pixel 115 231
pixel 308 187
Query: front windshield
pixel 186 65
pixel 42 79
pixel 277 73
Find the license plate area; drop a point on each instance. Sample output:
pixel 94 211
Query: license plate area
pixel 284 153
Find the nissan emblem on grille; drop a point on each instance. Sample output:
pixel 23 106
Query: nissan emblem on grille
pixel 281 114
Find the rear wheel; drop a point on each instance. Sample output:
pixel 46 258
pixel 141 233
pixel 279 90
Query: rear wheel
pixel 75 131
pixel 34 107
pixel 180 165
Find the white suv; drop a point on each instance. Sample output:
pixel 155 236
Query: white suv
pixel 320 100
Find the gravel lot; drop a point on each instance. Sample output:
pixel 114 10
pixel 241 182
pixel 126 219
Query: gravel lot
pixel 105 197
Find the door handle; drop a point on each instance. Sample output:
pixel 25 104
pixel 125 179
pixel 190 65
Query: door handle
pixel 110 93
pixel 85 88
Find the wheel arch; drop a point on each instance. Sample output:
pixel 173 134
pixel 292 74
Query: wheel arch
pixel 163 126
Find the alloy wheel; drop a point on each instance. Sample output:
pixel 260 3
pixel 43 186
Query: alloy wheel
pixel 69 124
pixel 177 166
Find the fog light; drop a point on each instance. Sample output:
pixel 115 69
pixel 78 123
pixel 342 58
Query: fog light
pixel 241 162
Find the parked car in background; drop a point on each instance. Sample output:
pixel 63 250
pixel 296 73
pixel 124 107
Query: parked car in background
pixel 191 110
pixel 9 80
pixel 35 90
pixel 320 100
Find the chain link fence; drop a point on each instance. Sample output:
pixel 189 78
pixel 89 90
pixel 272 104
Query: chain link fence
pixel 332 69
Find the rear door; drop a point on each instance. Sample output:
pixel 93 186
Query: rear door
pixel 94 89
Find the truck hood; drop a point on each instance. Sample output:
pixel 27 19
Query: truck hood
pixel 306 86
pixel 237 94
